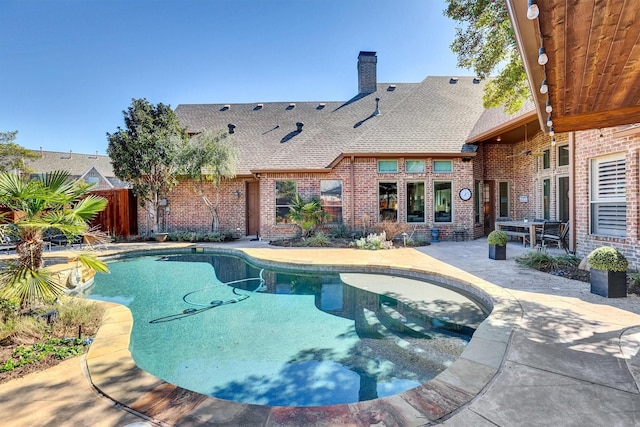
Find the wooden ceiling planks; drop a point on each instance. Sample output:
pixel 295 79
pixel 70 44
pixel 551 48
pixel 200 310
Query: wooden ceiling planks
pixel 593 71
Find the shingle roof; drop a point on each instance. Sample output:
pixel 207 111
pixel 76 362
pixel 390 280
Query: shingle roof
pixel 431 117
pixel 74 163
pixel 493 118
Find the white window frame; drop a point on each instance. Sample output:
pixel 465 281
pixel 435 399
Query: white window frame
pixel 450 162
pixel 284 220
pixel 421 198
pixel 387 161
pixel 327 203
pixel 607 196
pixel 415 162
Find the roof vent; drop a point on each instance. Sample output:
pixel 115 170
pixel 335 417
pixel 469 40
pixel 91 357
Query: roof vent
pixel 258 107
pixel 476 80
pixel 299 126
pixel 225 107
pixel 391 88
pixel 377 110
pixel 321 106
pixel 232 127
pixel 453 80
pixel 291 106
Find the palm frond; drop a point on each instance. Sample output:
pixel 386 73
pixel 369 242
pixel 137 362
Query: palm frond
pixel 89 259
pixel 28 285
pixel 88 208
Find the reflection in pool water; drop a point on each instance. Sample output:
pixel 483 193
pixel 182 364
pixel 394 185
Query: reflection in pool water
pixel 298 340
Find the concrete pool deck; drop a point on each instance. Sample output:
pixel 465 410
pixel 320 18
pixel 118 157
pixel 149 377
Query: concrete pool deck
pixel 551 353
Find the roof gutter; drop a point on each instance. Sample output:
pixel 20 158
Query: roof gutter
pixel 342 156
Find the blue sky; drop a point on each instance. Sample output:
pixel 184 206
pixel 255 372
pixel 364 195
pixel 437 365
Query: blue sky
pixel 68 68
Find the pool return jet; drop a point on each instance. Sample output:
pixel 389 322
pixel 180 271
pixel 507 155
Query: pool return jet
pixel 201 307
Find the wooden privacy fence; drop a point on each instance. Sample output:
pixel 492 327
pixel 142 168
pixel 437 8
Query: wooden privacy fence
pixel 120 217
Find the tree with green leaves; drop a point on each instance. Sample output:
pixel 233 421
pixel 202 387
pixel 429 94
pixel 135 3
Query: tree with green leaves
pixel 485 43
pixel 207 159
pixel 144 153
pixel 12 155
pixel 50 201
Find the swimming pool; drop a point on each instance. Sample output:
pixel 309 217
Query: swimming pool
pixel 301 340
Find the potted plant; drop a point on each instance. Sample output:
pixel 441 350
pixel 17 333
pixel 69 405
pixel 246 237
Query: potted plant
pixel 608 272
pixel 161 237
pixel 497 241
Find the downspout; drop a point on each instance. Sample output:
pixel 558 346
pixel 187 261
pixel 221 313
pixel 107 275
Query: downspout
pixel 353 193
pixel 572 192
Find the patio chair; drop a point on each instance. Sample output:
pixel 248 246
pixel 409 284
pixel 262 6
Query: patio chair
pixel 551 233
pixel 560 239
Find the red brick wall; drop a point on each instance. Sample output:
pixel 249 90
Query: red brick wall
pixel 361 204
pixel 593 144
pixel 524 173
pixel 188 212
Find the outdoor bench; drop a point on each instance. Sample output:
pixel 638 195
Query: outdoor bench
pixel 519 234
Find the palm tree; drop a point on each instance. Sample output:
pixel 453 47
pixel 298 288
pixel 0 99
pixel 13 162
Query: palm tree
pixel 307 214
pixel 49 201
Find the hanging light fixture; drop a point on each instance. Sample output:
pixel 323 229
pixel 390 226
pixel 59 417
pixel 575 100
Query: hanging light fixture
pixel 551 132
pixel 549 108
pixel 544 88
pixel 533 11
pixel 553 140
pixel 542 56
pixel 549 121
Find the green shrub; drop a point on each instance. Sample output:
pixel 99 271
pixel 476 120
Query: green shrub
pixel 318 239
pixel 545 262
pixel 497 237
pixel 340 231
pixel 607 258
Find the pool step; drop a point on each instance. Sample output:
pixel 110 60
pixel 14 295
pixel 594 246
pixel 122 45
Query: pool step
pixel 374 323
pixel 401 319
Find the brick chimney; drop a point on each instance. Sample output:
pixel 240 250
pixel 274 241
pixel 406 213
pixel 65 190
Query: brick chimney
pixel 367 79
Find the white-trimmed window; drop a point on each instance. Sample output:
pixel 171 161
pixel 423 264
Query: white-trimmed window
pixel 608 203
pixel 442 166
pixel 563 155
pixel 387 166
pixel 442 201
pixel 331 198
pixel 415 201
pixel 388 200
pixel 285 193
pixel 414 166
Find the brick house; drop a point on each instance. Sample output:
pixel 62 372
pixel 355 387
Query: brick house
pixel 394 152
pixel 404 152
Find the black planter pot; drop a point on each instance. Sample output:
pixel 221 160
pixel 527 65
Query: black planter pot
pixel 609 284
pixel 497 252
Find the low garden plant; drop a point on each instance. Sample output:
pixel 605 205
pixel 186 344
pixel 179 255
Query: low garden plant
pixel 545 262
pixel 374 242
pixel 41 337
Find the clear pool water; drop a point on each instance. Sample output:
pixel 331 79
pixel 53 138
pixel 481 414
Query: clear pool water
pixel 300 340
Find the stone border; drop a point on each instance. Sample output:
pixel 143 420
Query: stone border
pixel 113 371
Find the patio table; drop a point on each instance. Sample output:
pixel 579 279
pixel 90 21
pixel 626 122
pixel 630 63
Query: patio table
pixel 520 228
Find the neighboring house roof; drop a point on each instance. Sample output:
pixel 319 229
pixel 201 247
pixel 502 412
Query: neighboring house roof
pixel 78 165
pixel 432 118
